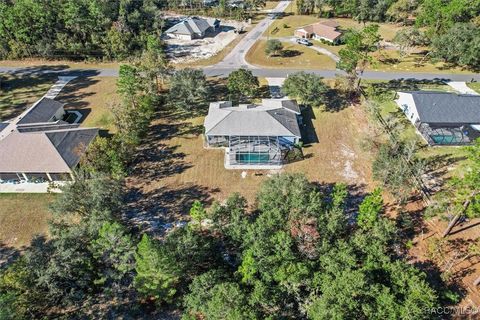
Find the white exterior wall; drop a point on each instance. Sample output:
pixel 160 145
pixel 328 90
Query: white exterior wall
pixel 179 36
pixel 406 99
pixel 316 37
pixel 291 139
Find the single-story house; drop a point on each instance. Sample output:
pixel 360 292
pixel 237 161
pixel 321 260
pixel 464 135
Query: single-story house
pixel 236 4
pixel 324 30
pixel 193 28
pixel 39 145
pixel 442 118
pixel 254 136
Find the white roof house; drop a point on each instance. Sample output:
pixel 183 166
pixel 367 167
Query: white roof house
pixel 271 118
pixel 255 136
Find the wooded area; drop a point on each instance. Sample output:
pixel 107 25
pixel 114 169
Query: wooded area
pixel 116 30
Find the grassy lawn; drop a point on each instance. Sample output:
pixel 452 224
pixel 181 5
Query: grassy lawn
pixel 336 152
pixel 475 86
pixel 60 64
pixel 23 216
pixel 409 133
pixel 92 96
pixel 287 25
pixel 175 169
pixel 18 93
pixel 390 60
pixel 296 56
pixel 270 5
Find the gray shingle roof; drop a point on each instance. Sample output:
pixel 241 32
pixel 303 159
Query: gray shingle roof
pixel 268 119
pixel 42 111
pixel 448 108
pixel 193 25
pixel 71 144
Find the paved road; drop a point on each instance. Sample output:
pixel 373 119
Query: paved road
pixel 261 72
pixel 236 57
pixel 371 75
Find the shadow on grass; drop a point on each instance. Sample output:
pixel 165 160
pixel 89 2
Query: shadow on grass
pixel 309 135
pixel 155 160
pixel 8 254
pixel 433 277
pixel 291 53
pixel 19 92
pixel 404 84
pixel 336 100
pixel 157 210
pixel 73 96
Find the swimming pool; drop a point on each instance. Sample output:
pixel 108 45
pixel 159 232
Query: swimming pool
pixel 252 157
pixel 444 139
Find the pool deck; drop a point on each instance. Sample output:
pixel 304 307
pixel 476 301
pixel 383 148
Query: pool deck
pixel 249 166
pixel 31 187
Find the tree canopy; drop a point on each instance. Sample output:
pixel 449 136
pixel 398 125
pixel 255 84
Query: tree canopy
pixel 308 88
pixel 77 29
pixel 295 255
pixel 242 83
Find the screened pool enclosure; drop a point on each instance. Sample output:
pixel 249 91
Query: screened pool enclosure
pixel 253 150
pixel 448 135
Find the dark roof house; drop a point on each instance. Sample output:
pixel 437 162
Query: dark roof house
pixel 42 111
pixel 39 143
pixel 442 118
pixel 193 28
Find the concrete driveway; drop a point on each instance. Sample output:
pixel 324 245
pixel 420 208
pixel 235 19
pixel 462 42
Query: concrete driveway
pixel 462 87
pixel 317 48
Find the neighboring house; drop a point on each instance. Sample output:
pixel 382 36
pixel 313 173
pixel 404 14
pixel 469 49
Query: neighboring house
pixel 193 28
pixel 209 3
pixel 254 136
pixel 236 4
pixel 39 146
pixel 324 30
pixel 442 118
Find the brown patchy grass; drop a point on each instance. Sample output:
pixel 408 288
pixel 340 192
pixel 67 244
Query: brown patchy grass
pixel 293 21
pixel 17 93
pixel 297 56
pixel 390 60
pixel 270 5
pixel 62 64
pixel 92 96
pixel 22 216
pixel 174 168
pixel 337 154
